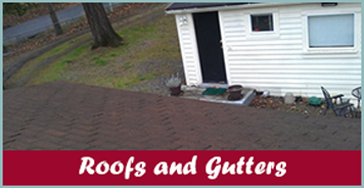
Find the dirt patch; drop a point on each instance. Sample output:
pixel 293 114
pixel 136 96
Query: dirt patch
pixel 299 107
pixel 156 84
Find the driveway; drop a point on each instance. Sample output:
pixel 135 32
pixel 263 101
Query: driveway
pixel 70 116
pixel 43 23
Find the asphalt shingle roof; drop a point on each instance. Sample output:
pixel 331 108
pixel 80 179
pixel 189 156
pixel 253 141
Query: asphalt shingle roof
pixel 70 116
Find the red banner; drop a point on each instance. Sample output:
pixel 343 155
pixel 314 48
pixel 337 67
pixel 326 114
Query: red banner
pixel 182 168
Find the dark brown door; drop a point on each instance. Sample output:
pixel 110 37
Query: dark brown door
pixel 210 47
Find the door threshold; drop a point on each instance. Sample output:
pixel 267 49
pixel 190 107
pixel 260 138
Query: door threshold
pixel 214 85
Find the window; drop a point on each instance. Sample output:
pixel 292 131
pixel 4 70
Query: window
pixel 331 30
pixel 262 22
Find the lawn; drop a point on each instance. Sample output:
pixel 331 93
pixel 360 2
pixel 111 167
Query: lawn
pixel 150 51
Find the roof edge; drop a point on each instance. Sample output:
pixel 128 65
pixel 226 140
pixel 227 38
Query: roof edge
pixel 224 7
pixel 166 9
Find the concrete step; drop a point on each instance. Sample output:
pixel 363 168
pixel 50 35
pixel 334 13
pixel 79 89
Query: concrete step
pixel 190 92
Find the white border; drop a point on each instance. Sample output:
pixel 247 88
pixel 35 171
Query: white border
pixel 275 34
pixel 329 50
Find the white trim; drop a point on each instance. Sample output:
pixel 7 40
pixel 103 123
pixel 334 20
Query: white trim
pixel 228 7
pixel 225 48
pixel 195 50
pixel 263 35
pixel 196 59
pixel 177 17
pixel 329 50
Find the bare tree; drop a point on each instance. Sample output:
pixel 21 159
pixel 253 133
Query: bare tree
pixel 102 31
pixel 52 13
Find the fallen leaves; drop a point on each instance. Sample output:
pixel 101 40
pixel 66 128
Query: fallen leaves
pixel 277 103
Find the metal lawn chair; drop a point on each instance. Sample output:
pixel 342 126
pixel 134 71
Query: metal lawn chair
pixel 341 109
pixel 357 94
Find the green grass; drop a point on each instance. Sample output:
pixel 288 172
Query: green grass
pixel 25 70
pixel 112 67
pixel 146 77
pixel 98 61
pixel 127 65
pixel 101 62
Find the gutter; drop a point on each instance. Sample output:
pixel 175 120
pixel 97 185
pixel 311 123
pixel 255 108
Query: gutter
pixel 226 7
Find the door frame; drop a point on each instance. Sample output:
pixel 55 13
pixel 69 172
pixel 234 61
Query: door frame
pixel 223 51
pixel 190 27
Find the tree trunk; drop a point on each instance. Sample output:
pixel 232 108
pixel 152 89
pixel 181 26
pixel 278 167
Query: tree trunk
pixel 52 13
pixel 102 31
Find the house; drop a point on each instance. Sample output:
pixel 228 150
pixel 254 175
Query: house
pixel 280 47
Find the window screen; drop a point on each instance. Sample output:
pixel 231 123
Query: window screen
pixel 331 31
pixel 262 22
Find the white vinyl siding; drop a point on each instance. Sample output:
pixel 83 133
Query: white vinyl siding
pixel 282 61
pixel 188 46
pixel 280 64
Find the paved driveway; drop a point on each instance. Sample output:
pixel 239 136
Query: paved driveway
pixel 69 116
pixel 43 23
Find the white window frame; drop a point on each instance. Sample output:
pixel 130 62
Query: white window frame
pixel 323 50
pixel 259 35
